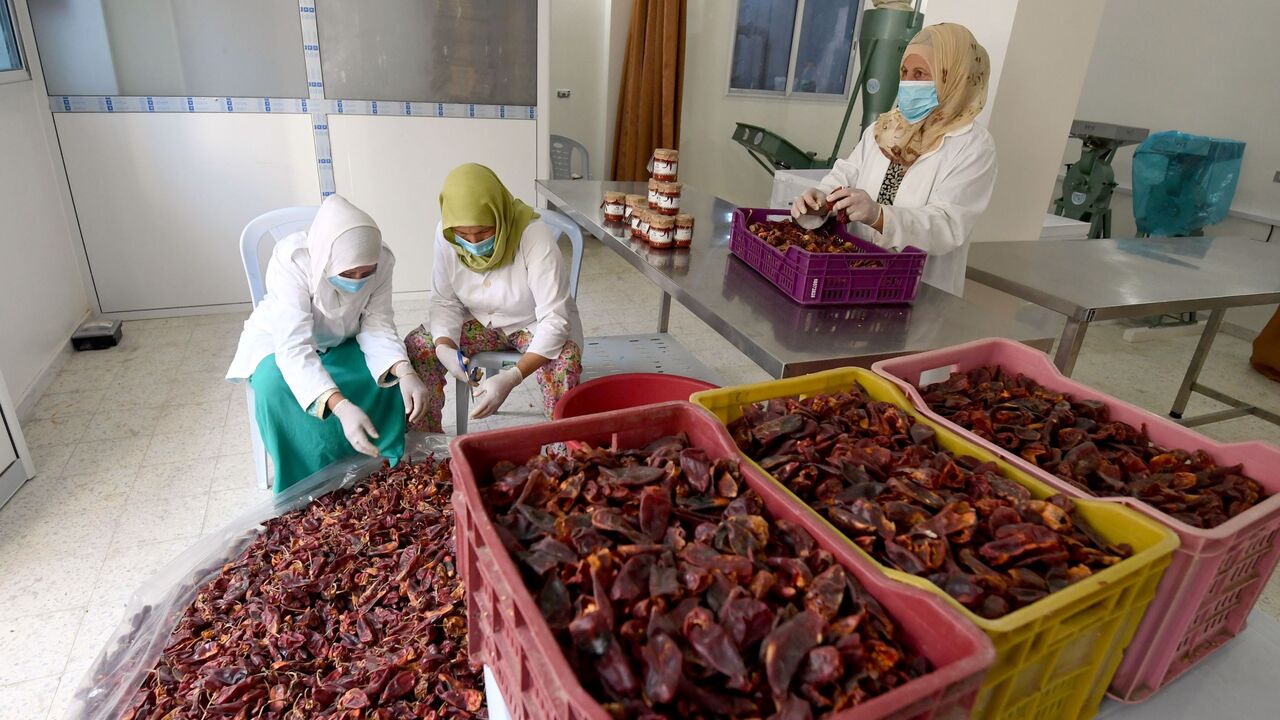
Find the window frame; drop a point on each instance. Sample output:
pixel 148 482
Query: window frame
pixel 790 93
pixel 9 19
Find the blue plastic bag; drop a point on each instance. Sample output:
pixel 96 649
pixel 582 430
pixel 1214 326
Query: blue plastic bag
pixel 1182 182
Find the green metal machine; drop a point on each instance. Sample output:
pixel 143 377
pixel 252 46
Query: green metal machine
pixel 881 42
pixel 1089 182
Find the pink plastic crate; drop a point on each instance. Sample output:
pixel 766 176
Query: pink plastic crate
pixel 828 278
pixel 1216 575
pixel 507 632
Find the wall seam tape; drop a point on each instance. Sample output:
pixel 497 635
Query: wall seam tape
pixel 315 90
pixel 285 106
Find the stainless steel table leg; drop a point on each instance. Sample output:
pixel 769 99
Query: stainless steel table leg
pixel 664 312
pixel 1197 361
pixel 1069 345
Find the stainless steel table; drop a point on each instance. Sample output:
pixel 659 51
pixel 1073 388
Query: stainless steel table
pixel 780 336
pixel 1089 280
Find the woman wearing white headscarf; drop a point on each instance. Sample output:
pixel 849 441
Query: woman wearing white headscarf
pixel 321 350
pixel 924 171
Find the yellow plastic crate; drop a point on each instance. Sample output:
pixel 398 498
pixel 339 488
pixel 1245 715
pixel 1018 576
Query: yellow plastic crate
pixel 1055 657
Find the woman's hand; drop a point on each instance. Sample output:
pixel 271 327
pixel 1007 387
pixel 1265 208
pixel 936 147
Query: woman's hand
pixel 414 392
pixel 357 426
pixel 856 204
pixel 810 199
pixel 493 391
pixel 447 355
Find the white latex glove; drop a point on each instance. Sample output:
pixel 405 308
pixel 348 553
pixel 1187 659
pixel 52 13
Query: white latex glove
pixel 357 427
pixel 811 199
pixel 414 392
pixel 448 357
pixel 856 204
pixel 493 391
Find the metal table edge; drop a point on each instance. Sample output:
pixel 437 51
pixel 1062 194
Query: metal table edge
pixel 774 366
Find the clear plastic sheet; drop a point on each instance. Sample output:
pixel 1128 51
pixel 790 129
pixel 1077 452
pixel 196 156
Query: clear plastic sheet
pixel 1182 182
pixel 154 608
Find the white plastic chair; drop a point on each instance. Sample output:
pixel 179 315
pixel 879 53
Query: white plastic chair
pixel 493 362
pixel 271 226
pixel 562 150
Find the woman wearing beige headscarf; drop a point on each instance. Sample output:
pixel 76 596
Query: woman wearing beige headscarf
pixel 923 172
pixel 321 350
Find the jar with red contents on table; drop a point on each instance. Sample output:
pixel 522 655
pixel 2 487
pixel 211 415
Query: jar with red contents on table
pixel 665 164
pixel 668 198
pixel 640 225
pixel 615 206
pixel 633 202
pixel 684 230
pixel 662 229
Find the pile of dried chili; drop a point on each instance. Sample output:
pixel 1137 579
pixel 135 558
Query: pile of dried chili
pixel 782 234
pixel 348 608
pixel 675 594
pixel 882 479
pixel 1077 441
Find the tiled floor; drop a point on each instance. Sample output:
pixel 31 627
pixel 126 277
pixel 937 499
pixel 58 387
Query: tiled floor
pixel 143 449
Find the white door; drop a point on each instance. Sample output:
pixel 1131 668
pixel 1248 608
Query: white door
pixel 12 474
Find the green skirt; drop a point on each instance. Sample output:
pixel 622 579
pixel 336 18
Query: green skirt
pixel 300 443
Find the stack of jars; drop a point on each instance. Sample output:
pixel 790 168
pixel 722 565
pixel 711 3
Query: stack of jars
pixel 656 220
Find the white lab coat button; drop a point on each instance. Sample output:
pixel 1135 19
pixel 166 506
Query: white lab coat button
pixel 486 283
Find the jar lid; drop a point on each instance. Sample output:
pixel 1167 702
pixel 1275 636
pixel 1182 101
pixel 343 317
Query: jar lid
pixel 662 222
pixel 614 196
pixel 670 188
pixel 684 219
pixel 653 183
pixel 666 154
pixel 634 200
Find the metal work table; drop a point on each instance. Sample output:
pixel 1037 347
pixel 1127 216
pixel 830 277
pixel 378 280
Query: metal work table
pixel 780 336
pixel 1089 280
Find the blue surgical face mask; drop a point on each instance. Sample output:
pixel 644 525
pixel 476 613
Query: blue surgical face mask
pixel 348 285
pixel 484 248
pixel 916 99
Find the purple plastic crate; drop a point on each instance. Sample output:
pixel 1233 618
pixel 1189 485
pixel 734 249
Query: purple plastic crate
pixel 828 278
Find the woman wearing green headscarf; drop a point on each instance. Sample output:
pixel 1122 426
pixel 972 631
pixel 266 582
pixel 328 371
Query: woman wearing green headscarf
pixel 499 282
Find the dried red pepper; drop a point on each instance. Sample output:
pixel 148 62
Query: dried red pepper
pixel 782 234
pixel 674 594
pixel 882 479
pixel 1079 442
pixel 350 607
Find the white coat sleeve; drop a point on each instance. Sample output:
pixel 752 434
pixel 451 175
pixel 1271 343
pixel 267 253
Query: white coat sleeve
pixel 845 171
pixel 447 311
pixel 378 339
pixel 549 284
pixel 960 195
pixel 291 329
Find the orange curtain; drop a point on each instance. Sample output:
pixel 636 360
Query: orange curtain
pixel 652 79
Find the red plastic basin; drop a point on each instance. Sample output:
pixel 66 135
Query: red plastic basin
pixel 626 390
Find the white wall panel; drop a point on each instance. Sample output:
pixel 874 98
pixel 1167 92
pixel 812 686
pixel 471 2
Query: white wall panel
pixel 43 296
pixel 162 198
pixel 394 167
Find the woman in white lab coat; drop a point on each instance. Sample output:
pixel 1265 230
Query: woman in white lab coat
pixel 923 173
pixel 499 282
pixel 321 350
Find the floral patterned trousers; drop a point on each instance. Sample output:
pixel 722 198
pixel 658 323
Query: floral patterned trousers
pixel 556 378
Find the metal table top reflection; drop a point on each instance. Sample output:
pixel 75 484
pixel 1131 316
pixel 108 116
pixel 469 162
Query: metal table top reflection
pixel 782 337
pixel 1089 280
